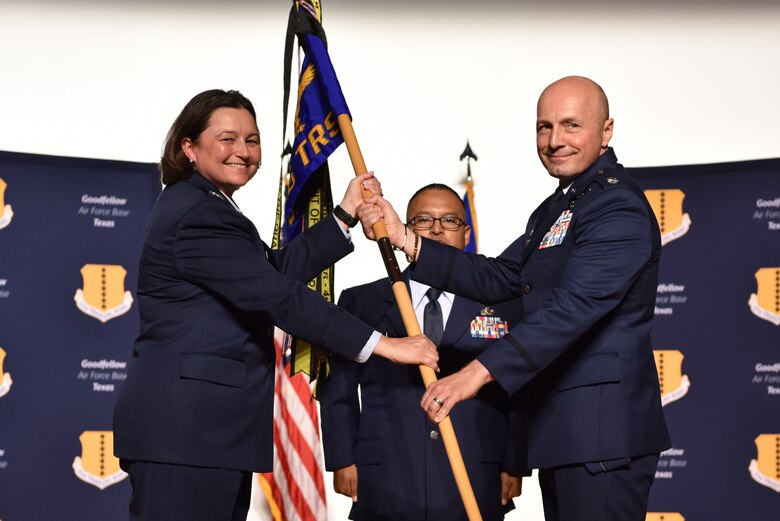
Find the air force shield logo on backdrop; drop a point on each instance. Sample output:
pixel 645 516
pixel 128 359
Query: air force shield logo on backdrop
pixel 97 464
pixel 664 516
pixel 668 208
pixel 765 302
pixel 5 378
pixel 674 384
pixel 765 469
pixel 5 209
pixel 103 296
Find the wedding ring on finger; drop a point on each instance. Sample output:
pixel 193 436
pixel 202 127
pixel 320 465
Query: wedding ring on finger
pixel 441 403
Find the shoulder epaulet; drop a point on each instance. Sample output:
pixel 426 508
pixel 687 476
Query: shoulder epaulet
pixel 610 178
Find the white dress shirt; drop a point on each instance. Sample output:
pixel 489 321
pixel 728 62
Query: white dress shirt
pixel 419 300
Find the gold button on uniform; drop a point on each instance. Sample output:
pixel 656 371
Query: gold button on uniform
pixel 434 435
pixel 526 288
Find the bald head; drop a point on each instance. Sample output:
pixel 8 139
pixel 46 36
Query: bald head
pixel 573 127
pixel 586 87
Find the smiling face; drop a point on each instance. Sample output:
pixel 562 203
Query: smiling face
pixel 573 127
pixel 227 152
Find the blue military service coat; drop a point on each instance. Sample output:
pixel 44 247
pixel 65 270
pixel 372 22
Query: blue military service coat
pixel 199 389
pixel 581 358
pixel 403 471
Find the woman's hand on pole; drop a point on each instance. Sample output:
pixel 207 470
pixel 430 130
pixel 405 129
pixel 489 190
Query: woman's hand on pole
pixel 353 197
pixel 376 208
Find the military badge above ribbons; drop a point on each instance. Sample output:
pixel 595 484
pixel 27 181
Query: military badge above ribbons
pixel 488 325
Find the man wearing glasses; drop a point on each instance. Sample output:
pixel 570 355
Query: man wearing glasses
pixel 386 455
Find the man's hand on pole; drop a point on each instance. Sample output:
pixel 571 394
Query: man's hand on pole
pixel 442 395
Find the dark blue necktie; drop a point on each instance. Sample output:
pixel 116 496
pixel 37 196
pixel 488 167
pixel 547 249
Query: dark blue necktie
pixel 433 322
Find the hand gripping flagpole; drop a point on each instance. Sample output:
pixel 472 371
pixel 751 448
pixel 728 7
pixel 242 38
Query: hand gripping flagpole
pixel 412 326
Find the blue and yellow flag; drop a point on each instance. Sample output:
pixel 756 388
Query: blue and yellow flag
pixel 471 215
pixel 320 102
pixel 306 183
pixel 468 199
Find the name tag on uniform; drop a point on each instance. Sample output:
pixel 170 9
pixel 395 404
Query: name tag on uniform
pixel 557 231
pixel 487 325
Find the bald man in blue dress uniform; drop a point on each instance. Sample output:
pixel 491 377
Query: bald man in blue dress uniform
pixel 581 359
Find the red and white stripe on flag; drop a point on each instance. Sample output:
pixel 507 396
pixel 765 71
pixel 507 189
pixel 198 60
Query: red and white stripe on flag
pixel 295 491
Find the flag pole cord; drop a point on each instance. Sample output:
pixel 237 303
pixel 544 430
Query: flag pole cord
pixel 412 326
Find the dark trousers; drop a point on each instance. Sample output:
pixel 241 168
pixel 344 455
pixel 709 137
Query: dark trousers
pixel 614 490
pixel 163 492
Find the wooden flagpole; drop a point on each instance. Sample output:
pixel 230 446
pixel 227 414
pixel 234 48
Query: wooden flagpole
pixel 412 326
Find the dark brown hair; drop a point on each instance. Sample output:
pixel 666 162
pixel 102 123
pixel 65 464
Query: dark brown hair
pixel 193 119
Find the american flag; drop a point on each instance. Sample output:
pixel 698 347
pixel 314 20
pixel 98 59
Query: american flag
pixel 295 490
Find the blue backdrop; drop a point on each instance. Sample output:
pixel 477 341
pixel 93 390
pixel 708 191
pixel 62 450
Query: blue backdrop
pixel 70 237
pixel 717 346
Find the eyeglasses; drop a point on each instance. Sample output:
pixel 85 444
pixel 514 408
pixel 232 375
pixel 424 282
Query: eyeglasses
pixel 448 222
